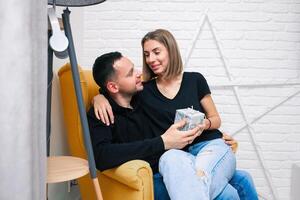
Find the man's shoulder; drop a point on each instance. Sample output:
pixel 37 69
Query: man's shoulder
pixel 90 112
pixel 92 119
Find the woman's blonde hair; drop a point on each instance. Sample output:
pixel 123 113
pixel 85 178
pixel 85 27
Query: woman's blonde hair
pixel 175 66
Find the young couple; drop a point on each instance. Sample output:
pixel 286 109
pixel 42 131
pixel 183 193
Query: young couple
pixel 193 164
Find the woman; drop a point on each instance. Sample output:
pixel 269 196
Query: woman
pixel 168 88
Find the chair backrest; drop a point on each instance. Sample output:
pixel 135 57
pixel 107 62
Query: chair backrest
pixel 72 118
pixel 71 113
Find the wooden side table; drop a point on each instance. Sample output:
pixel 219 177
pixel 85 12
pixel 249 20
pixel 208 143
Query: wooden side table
pixel 65 168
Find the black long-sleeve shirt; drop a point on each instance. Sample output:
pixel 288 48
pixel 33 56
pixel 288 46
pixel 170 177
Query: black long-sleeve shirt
pixel 130 137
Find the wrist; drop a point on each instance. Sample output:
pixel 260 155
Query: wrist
pixel 164 142
pixel 208 124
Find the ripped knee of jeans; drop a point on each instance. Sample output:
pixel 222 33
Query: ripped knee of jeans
pixel 200 173
pixel 203 176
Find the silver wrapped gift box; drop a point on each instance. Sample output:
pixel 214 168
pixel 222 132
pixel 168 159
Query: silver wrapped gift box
pixel 193 117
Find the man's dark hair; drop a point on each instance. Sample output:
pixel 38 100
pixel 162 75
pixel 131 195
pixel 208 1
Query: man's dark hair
pixel 103 68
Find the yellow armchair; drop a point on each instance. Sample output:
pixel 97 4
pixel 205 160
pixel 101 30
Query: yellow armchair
pixel 132 180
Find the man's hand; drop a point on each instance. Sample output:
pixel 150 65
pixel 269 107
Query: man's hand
pixel 231 142
pixel 102 109
pixel 175 139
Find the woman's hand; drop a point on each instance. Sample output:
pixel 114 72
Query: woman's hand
pixel 231 142
pixel 102 109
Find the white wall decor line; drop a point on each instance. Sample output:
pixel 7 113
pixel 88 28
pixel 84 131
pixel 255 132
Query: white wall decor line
pixel 235 87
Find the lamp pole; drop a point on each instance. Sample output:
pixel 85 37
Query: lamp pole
pixel 58 44
pixel 80 104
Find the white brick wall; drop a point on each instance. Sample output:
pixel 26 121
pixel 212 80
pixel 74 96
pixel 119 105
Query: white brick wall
pixel 261 43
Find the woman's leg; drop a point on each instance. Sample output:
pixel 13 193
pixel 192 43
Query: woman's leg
pixel 178 170
pixel 215 165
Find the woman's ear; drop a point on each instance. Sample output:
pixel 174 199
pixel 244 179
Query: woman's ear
pixel 112 87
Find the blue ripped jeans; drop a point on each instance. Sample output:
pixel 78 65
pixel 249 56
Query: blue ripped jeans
pixel 202 173
pixel 241 185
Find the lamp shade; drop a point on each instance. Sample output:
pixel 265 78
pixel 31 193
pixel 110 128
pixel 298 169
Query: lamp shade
pixel 75 3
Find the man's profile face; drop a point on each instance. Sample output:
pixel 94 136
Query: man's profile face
pixel 127 78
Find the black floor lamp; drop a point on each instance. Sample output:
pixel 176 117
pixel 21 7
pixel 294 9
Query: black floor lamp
pixel 62 45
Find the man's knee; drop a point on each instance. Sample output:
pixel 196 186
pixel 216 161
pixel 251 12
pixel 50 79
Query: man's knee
pixel 243 176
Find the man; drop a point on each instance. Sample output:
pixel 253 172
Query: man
pixel 131 136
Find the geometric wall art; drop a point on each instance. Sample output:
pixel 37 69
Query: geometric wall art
pixel 235 87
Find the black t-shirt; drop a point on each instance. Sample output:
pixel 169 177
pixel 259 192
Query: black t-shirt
pixel 161 110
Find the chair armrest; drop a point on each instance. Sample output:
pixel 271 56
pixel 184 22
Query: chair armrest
pixel 132 173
